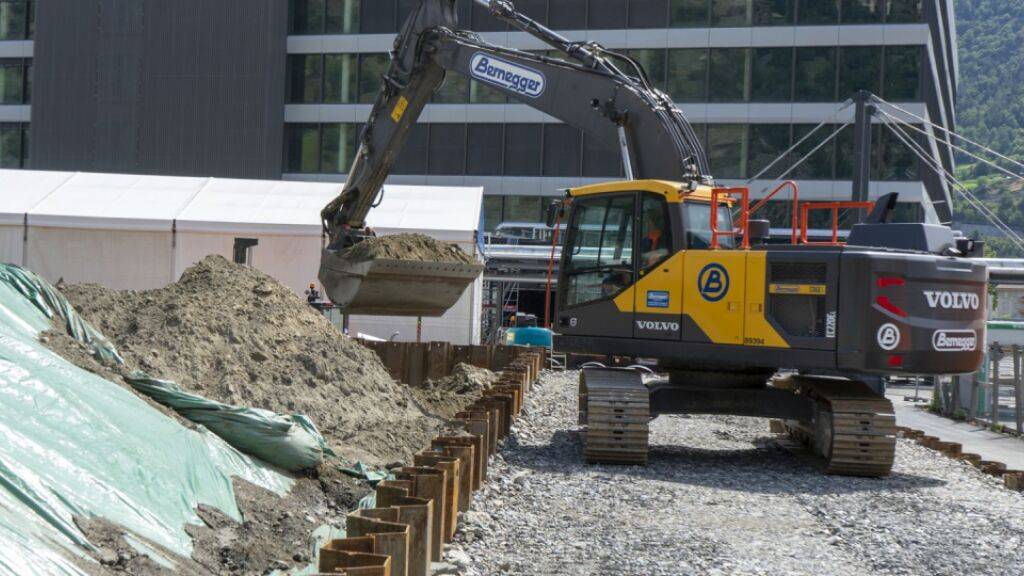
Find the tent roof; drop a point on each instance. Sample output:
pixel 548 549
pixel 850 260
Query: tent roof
pixel 251 206
pixel 116 201
pixel 445 212
pixel 133 202
pixel 21 190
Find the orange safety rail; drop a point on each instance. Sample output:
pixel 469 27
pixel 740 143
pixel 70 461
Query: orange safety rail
pixel 718 195
pixel 795 219
pixel 835 207
pixel 551 272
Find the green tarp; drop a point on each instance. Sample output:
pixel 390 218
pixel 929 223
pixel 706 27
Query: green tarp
pixel 72 443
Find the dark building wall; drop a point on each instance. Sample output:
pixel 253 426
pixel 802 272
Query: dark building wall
pixel 176 87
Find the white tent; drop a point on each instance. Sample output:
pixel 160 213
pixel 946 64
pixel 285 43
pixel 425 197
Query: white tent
pixel 140 232
pixel 112 229
pixel 284 218
pixel 20 191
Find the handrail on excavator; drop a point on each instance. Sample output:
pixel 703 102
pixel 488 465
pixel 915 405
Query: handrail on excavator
pixel 795 222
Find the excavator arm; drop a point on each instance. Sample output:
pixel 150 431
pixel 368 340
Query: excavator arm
pixel 603 93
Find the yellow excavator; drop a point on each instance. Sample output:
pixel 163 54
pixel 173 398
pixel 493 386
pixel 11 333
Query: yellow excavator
pixel 669 267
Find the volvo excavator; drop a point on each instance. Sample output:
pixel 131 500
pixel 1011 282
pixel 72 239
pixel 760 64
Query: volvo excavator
pixel 670 267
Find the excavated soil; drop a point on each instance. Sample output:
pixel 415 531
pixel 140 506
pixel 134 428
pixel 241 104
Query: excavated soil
pixel 275 532
pixel 447 396
pixel 234 334
pixel 407 247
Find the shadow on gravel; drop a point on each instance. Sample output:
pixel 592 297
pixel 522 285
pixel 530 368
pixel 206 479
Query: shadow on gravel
pixel 765 468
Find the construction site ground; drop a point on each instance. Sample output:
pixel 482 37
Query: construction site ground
pixel 721 495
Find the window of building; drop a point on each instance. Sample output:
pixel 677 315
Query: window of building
pixel 568 14
pixel 898 161
pixel 861 11
pixel 480 93
pixel 729 75
pixel 728 150
pixel 304 16
pixel 653 62
pixel 860 68
pixel 372 68
pixel 523 149
pixel 701 130
pixel 305 77
pixel 454 90
pixel 903 73
pixel 601 159
pixel 772 12
pixel 904 11
pixel 523 208
pixel 820 165
pixel 493 213
pixel 483 21
pixel 485 149
pixel 688 74
pixel 767 142
pixel 815 74
pixel 14 87
pixel 11 149
pixel 606 14
pixel 338 144
pixel 845 157
pixel 377 16
pixel 413 157
pixel 730 12
pixel 648 13
pixel 600 249
pixel 562 150
pixel 341 78
pixel 341 17
pixel 302 148
pixel 405 9
pixel 689 13
pixel 535 9
pixel 771 77
pixel 447 154
pixel 817 12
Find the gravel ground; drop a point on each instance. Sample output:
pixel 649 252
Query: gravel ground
pixel 720 496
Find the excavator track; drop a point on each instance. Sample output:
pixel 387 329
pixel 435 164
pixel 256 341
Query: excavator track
pixel 615 415
pixel 854 429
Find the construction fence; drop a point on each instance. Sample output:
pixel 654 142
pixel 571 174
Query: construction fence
pixel 993 396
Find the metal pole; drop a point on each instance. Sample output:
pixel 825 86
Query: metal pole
pixel 974 397
pixel 1018 387
pixel 954 397
pixel 627 160
pixel 862 151
pixel 995 389
pixel 419 329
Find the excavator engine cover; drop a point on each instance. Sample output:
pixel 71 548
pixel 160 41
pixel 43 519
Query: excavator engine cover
pixel 384 287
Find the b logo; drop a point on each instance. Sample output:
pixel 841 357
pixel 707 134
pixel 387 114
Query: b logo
pixel 713 282
pixel 889 337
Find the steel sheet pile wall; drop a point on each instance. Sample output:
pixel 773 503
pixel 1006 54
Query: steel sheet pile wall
pixel 417 512
pixel 173 87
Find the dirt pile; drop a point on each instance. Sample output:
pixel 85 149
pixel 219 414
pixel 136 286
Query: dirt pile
pixel 407 247
pixel 447 396
pixel 233 334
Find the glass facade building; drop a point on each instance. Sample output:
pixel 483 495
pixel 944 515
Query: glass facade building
pixel 753 76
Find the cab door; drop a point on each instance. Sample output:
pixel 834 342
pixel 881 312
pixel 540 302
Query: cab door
pixel 658 297
pixel 714 281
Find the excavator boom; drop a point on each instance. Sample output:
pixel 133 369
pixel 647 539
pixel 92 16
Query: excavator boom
pixel 601 92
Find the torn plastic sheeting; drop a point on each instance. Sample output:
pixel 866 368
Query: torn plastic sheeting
pixel 291 442
pixel 74 444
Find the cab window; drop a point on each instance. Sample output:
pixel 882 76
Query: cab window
pixel 698 226
pixel 655 232
pixel 600 264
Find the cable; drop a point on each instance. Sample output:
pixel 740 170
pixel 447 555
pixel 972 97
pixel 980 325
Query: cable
pixel 936 166
pixel 954 134
pixel 828 120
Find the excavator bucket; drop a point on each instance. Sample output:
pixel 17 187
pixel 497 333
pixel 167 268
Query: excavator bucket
pixel 385 287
